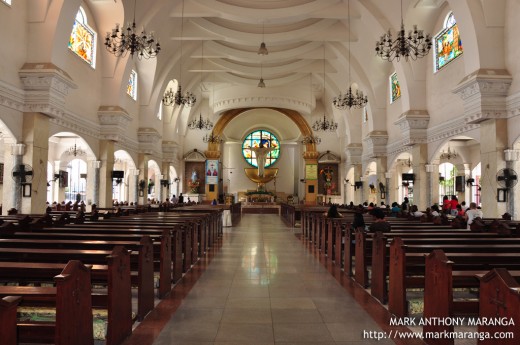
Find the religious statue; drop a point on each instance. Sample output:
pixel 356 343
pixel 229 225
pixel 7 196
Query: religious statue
pixel 194 175
pixel 261 155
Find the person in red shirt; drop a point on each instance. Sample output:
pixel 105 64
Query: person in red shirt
pixel 454 202
pixel 446 204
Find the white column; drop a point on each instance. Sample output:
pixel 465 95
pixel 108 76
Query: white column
pixel 511 157
pixel 388 176
pixel 17 151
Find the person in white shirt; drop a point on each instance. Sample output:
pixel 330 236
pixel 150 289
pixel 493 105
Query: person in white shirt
pixel 472 213
pixel 174 199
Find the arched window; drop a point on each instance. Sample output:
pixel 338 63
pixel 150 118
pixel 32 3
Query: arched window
pixel 131 88
pixel 258 139
pixel 7 2
pixel 159 113
pixel 448 44
pixel 82 40
pixel 395 89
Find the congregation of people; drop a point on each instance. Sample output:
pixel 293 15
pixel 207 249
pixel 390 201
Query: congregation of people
pixel 450 209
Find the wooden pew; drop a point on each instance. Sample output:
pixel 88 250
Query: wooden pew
pixel 466 258
pixel 72 300
pixel 500 297
pixel 8 307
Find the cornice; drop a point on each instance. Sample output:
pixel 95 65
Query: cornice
pixel 484 94
pixel 262 101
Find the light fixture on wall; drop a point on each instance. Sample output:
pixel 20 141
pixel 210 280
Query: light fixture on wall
pixel 263 49
pixel 212 139
pixel 325 124
pixel 448 155
pixel 407 162
pixel 188 99
pixel 349 99
pixel 412 46
pixel 123 41
pixel 76 151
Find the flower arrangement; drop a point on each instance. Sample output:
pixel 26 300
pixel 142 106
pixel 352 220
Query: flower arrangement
pixel 328 174
pixel 194 185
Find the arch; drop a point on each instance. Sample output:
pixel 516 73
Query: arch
pixel 229 115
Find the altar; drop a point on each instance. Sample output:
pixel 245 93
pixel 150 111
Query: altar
pixel 198 198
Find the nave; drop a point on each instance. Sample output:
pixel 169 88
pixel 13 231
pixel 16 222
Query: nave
pixel 260 286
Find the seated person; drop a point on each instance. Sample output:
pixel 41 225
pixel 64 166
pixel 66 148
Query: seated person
pixel 460 211
pixel 379 223
pixel 395 209
pixel 414 211
pixel 333 212
pixel 359 221
pixel 435 212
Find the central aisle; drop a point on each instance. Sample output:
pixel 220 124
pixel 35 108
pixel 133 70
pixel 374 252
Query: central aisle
pixel 264 287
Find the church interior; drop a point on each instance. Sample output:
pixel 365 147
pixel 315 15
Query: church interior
pixel 282 107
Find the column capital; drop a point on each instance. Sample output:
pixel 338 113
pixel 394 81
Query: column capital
pixel 430 168
pixel 95 164
pixel 511 155
pixel 18 149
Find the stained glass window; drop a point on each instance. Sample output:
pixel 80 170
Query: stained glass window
pixel 82 40
pixel 395 89
pixel 448 44
pixel 131 88
pixel 261 138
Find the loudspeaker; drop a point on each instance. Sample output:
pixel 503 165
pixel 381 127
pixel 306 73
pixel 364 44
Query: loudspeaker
pixel 408 177
pixel 460 183
pixel 311 189
pixel 358 184
pixel 211 187
pixel 118 174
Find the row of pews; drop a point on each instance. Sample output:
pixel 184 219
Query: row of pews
pixel 437 260
pixel 121 265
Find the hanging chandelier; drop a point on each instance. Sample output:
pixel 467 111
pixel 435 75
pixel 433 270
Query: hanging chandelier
pixel 261 83
pixel 449 154
pixel 349 99
pixel 311 139
pixel 200 123
pixel 188 99
pixel 168 98
pixel 76 151
pixel 412 46
pixel 123 41
pixel 325 125
pixel 212 139
pixel 263 49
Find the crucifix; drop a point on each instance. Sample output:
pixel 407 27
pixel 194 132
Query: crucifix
pixel 498 302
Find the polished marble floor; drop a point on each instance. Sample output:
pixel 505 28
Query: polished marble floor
pixel 261 286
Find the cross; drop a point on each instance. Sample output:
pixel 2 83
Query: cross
pixel 76 292
pixel 147 254
pixel 121 269
pixel 498 302
pixel 22 173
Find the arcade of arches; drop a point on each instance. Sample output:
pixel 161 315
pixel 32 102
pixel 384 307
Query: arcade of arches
pixel 78 122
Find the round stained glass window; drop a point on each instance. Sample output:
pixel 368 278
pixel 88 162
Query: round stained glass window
pixel 257 139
